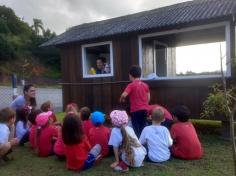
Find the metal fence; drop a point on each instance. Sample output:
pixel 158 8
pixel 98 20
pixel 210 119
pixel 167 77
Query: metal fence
pixel 42 95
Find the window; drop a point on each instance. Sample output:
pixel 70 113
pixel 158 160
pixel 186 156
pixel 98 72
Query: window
pixel 188 54
pixel 97 60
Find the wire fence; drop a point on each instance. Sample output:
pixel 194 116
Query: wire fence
pixel 42 95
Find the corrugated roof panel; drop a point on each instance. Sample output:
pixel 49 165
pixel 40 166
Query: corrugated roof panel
pixel 182 13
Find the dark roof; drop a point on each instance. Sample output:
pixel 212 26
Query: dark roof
pixel 183 13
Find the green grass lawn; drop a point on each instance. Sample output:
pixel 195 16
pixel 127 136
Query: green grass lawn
pixel 216 161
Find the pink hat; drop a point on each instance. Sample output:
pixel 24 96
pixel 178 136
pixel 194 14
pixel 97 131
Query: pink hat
pixel 43 118
pixel 119 118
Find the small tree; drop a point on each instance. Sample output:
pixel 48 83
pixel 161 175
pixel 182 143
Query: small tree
pixel 223 101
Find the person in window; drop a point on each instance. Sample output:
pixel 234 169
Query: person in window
pixel 101 63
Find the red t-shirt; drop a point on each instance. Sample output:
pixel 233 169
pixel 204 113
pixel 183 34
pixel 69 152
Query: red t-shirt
pixel 87 125
pixel 167 114
pixel 45 140
pixel 100 135
pixel 77 154
pixel 32 136
pixel 186 143
pixel 59 146
pixel 138 95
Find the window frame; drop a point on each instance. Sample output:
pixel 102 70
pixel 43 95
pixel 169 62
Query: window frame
pixel 84 58
pixel 225 24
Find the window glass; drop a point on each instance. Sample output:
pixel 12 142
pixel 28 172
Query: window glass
pixel 162 61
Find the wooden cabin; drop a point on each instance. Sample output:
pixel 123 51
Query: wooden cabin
pixel 151 39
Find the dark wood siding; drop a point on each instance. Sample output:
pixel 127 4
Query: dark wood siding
pixel 103 93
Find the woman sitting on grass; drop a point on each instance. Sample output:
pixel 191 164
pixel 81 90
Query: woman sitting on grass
pixel 78 152
pixel 28 99
pixel 186 143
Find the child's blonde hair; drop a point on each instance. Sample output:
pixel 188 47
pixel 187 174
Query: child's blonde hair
pixel 127 143
pixel 157 115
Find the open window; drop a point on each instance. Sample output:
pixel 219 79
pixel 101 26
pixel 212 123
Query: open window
pixel 189 54
pixel 97 60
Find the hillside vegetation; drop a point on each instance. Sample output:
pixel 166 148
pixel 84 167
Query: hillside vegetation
pixel 19 48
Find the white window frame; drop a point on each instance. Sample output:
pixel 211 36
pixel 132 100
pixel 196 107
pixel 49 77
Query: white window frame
pixel 225 24
pixel 84 60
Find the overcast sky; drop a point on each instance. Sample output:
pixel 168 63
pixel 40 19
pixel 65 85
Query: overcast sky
pixel 58 15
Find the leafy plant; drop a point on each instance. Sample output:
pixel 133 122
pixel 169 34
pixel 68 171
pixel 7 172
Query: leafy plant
pixel 216 103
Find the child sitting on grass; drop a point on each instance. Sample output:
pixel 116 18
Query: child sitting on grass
pixel 78 152
pixel 33 127
pixel 85 117
pixel 157 138
pixel 99 134
pixel 168 119
pixel 124 141
pixel 46 134
pixel 186 143
pixel 7 140
pixel 47 106
pixel 59 147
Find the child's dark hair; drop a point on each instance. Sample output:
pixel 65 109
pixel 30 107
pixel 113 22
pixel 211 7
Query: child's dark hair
pixel 181 112
pixel 72 131
pixel 135 71
pixel 103 59
pixel 22 115
pixel 32 100
pixel 85 113
pixel 45 106
pixel 32 116
pixel 6 114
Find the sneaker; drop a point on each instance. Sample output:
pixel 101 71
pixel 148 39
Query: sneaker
pixel 121 167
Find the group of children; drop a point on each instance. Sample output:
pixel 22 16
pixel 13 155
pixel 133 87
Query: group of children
pixel 82 139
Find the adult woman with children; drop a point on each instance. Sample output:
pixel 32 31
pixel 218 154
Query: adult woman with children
pixel 27 99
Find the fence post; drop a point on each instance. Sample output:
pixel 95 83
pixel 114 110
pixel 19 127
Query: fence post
pixel 14 85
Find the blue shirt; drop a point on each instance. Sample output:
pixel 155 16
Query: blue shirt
pixel 18 103
pixel 20 129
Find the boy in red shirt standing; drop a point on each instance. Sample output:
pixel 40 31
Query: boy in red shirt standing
pixel 139 97
pixel 186 143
